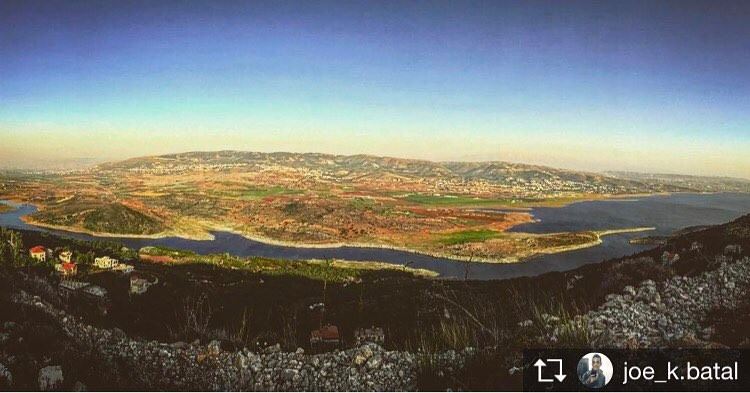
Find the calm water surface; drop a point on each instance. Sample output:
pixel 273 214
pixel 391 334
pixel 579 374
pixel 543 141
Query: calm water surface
pixel 666 213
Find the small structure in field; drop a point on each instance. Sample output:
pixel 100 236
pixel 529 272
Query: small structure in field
pixel 68 288
pixel 719 259
pixel 733 249
pixel 669 258
pixel 105 262
pixel 95 292
pixel 373 335
pixel 91 295
pixel 138 285
pixel 39 253
pixel 696 246
pixel 123 268
pixel 66 256
pixel 326 335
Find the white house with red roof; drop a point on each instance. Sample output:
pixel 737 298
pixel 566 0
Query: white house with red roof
pixel 67 269
pixel 39 253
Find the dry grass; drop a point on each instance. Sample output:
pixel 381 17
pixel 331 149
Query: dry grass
pixel 465 321
pixel 193 318
pixel 554 323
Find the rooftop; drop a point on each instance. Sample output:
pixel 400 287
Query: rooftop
pixel 38 249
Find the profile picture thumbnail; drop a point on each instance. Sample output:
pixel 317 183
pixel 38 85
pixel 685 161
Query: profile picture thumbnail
pixel 594 370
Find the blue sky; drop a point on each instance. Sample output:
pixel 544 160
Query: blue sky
pixel 650 86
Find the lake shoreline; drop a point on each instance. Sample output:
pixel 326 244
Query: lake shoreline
pixel 273 242
pixel 695 209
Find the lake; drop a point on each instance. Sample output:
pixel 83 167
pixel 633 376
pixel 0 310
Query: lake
pixel 666 213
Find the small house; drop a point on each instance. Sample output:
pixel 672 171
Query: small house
pixel 138 285
pixel 66 256
pixel 105 262
pixel 373 335
pixel 328 334
pixel 733 249
pixel 39 253
pixel 67 269
pixel 696 246
pixel 669 258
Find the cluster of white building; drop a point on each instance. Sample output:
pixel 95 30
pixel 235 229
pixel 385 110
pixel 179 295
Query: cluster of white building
pixel 67 268
pixel 67 265
pixel 107 263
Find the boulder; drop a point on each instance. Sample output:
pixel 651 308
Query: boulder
pixel 50 378
pixel 362 355
pixel 179 345
pixel 213 348
pixel 374 362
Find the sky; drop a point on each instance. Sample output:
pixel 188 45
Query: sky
pixel 602 85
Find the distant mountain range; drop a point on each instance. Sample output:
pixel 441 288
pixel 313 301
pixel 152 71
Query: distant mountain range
pixel 350 167
pixel 703 183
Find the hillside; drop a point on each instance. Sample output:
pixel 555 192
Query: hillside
pixel 460 210
pixel 351 167
pixel 639 301
pixel 341 167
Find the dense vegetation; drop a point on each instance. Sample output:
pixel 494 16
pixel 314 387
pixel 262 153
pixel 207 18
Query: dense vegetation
pixel 99 217
pixel 117 218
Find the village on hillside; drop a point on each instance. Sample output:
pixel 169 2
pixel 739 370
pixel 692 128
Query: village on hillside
pixel 74 289
pixel 70 287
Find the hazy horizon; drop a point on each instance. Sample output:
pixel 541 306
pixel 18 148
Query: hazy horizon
pixel 81 163
pixel 595 86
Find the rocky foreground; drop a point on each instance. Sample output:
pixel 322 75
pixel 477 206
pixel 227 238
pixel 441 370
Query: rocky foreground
pixel 660 314
pixel 649 315
pixel 152 365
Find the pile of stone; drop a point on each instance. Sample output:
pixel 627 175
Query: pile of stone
pixel 182 366
pixel 656 314
pixel 6 378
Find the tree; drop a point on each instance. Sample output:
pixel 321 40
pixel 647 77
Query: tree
pixel 6 258
pixel 327 263
pixel 87 258
pixel 16 246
